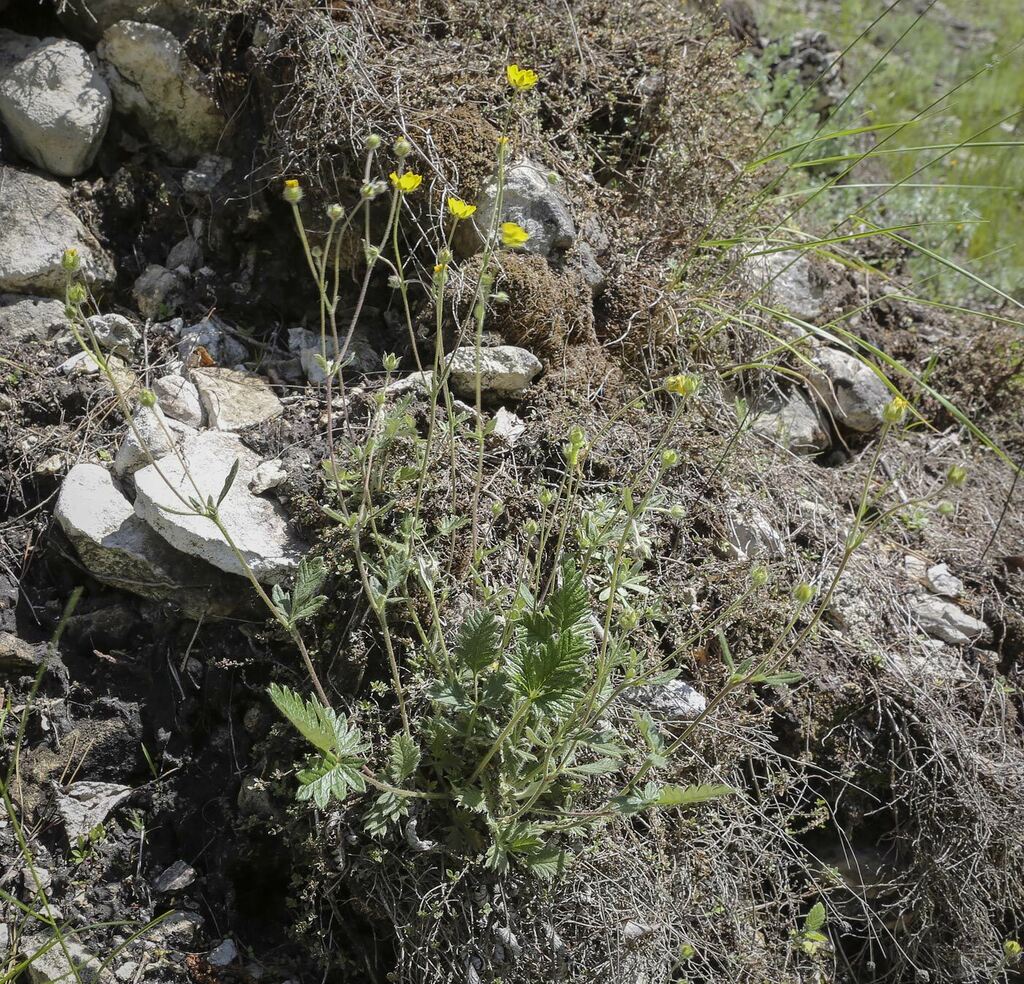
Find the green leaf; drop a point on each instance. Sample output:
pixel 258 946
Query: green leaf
pixel 815 919
pixel 325 779
pixel 405 758
pixel 477 645
pixel 229 481
pixel 691 795
pixel 470 799
pixel 309 717
pixel 545 863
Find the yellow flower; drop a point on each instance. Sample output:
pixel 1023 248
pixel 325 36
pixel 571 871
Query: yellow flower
pixel 521 79
pixel 513 234
pixel 292 191
pixel 895 410
pixel 460 209
pixel 407 182
pixel 685 384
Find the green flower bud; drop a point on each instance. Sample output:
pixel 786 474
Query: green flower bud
pixel 759 576
pixel 77 294
pixel 372 253
pixel 372 142
pixel 390 361
pixel 402 147
pixel 70 261
pixel 629 620
pixel 147 398
pixel 894 412
pixel 531 527
pixel 1012 950
pixel 956 476
pixel 292 192
pixel 500 297
pixel 946 508
pixel 497 508
pixel 677 511
pixel 546 497
pixel 803 593
pixel 395 282
pixel 669 458
pixel 335 212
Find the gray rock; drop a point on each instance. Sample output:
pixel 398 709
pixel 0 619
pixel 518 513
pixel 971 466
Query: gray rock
pixel 83 805
pixel 154 82
pixel 9 597
pixel 505 371
pixel 54 963
pixel 258 526
pixel 17 656
pixel 223 955
pixel 151 436
pixel 584 260
pixel 234 400
pixel 268 475
pixel 212 335
pixel 360 356
pixel 121 550
pixel 942 581
pixel 30 319
pixel 749 535
pixel 38 226
pixel 790 282
pixel 209 171
pixel 177 929
pixel 157 291
pixel 90 18
pixel 179 400
pixel 941 619
pixel 175 878
pixel 508 428
pixel 115 333
pixel 185 253
pixel 792 421
pixel 530 199
pixel 672 701
pixel 53 101
pixel 851 390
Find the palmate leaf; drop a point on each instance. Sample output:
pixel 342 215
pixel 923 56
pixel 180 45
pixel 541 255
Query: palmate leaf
pixel 477 645
pixel 326 778
pixel 310 718
pixel 404 758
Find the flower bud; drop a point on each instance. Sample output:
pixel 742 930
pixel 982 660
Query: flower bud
pixel 390 361
pixel 444 256
pixel 70 261
pixel 500 297
pixel 894 412
pixel 497 508
pixel 956 476
pixel 372 253
pixel 946 508
pixel 402 147
pixel 335 212
pixel 803 593
pixel 77 294
pixel 577 438
pixel 372 142
pixel 292 193
pixel 531 527
pixel 147 398
pixel 759 576
pixel 395 282
pixel 677 511
pixel 685 384
pixel 546 497
pixel 629 620
pixel 669 458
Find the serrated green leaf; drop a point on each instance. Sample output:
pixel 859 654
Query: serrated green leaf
pixel 815 919
pixel 404 759
pixel 599 768
pixel 546 863
pixel 309 717
pixel 477 645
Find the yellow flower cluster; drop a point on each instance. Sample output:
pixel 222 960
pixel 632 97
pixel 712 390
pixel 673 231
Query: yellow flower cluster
pixel 407 182
pixel 460 209
pixel 521 79
pixel 685 384
pixel 513 235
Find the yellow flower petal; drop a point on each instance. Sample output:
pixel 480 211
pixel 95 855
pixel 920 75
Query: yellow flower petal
pixel 460 209
pixel 409 181
pixel 521 79
pixel 513 234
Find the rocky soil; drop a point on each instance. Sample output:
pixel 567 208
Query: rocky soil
pixel 150 809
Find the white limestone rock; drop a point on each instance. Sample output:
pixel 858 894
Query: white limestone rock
pixel 941 619
pixel 179 399
pixel 505 371
pixel 121 550
pixel 153 81
pixel 53 101
pixel 258 526
pixel 234 400
pixel 853 393
pixel 24 318
pixel 791 421
pixel 37 226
